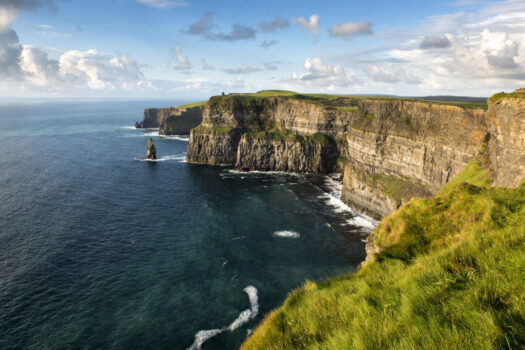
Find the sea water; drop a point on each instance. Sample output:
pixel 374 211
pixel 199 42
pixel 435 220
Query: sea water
pixel 100 250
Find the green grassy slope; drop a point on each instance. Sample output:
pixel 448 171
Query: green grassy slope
pixel 451 275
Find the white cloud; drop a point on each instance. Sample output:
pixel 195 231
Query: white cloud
pixel 7 15
pixel 381 74
pixel 311 24
pixel 384 75
pixel 184 63
pixel 244 69
pixel 350 29
pixel 321 75
pixel 100 71
pixel 38 69
pixel 163 4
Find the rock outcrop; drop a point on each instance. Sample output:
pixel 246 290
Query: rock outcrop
pixel 389 149
pixel 506 121
pixel 171 121
pixel 151 152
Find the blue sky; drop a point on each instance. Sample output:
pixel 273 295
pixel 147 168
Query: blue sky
pixel 191 49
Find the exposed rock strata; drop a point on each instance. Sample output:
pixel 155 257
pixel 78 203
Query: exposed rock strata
pixel 408 148
pixel 171 120
pixel 506 120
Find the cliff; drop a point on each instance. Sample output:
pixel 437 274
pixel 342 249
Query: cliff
pixel 506 120
pixel 177 120
pixel 389 149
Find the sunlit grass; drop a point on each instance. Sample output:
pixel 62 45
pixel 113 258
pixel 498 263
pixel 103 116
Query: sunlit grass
pixel 451 275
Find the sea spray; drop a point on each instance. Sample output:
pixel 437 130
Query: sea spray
pixel 287 234
pixel 202 336
pixel 254 300
pixel 245 316
pixel 240 320
pixel 179 157
pixel 333 199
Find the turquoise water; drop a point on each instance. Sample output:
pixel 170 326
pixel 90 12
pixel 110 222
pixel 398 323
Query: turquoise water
pixel 99 250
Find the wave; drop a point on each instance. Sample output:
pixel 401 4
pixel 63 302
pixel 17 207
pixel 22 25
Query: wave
pixel 244 317
pixel 202 336
pixel 129 127
pixel 286 234
pixel 259 172
pixel 333 199
pixel 254 299
pixel 176 137
pixel 151 133
pixel 180 157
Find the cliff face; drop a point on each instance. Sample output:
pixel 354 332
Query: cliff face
pixel 172 120
pixel 305 155
pixel 506 120
pixel 392 149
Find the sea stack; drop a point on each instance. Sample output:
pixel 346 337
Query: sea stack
pixel 151 152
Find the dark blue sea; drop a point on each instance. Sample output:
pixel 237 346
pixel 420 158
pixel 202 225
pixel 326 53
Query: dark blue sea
pixel 99 250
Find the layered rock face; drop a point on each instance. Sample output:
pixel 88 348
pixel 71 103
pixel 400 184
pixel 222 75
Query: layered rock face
pixel 171 120
pixel 393 149
pixel 269 134
pixel 506 120
pixel 303 156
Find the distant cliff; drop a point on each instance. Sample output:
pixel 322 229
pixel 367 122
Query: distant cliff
pixel 390 150
pixel 177 120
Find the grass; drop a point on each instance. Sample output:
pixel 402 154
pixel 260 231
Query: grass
pixel 195 104
pixel 398 188
pixel 516 94
pixel 217 129
pixel 450 276
pixel 345 103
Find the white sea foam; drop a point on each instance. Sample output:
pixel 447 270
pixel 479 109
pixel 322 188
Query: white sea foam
pixel 244 317
pixel 333 199
pixel 151 133
pixel 259 172
pixel 129 127
pixel 362 220
pixel 202 336
pixel 287 234
pixel 176 137
pixel 254 300
pixel 180 157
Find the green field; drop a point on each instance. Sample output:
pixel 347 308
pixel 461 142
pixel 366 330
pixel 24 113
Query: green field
pixel 451 275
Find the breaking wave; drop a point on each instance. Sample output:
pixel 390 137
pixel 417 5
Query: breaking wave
pixel 287 234
pixel 333 199
pixel 244 317
pixel 180 157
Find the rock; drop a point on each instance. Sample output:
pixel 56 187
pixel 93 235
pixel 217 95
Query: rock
pixel 413 147
pixel 151 152
pixel 181 121
pixel 171 120
pixel 506 122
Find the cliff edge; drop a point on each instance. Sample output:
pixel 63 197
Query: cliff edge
pixel 178 120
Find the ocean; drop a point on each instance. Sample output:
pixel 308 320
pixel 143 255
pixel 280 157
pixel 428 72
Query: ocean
pixel 99 250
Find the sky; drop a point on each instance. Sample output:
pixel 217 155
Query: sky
pixel 191 49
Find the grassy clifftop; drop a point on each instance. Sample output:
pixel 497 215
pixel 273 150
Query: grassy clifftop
pixel 349 102
pixel 450 275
